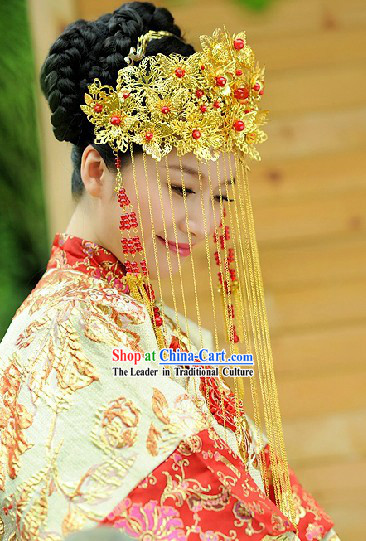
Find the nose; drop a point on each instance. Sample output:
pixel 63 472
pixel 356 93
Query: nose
pixel 202 219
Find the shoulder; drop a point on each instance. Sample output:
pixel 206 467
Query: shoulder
pixel 77 425
pixel 67 286
pixel 65 302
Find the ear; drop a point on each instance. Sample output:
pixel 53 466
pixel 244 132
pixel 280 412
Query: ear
pixel 92 168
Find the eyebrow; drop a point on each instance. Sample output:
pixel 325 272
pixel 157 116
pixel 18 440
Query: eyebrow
pixel 193 172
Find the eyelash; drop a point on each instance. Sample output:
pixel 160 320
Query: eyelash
pixel 179 189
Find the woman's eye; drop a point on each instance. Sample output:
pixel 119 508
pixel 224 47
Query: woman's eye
pixel 223 198
pixel 179 189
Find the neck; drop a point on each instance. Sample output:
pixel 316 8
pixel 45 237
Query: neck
pixel 80 224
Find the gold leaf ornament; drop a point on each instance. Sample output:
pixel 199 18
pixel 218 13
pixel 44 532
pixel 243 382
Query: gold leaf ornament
pixel 210 97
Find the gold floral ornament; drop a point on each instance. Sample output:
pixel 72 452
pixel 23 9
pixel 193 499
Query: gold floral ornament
pixel 113 121
pixel 206 103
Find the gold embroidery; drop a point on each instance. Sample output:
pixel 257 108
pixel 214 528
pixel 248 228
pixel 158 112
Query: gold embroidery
pixel 14 419
pixel 160 406
pixel 119 424
pixel 74 370
pixel 193 444
pixel 154 435
pixel 73 521
pixel 32 504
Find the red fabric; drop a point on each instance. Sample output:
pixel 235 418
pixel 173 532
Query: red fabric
pixel 70 251
pixel 202 491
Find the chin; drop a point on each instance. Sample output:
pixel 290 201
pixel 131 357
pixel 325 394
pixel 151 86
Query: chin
pixel 164 272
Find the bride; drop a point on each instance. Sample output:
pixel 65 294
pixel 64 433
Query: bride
pixel 152 457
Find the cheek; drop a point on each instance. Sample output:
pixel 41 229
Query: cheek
pixel 218 214
pixel 161 210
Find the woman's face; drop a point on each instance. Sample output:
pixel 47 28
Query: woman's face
pixel 164 214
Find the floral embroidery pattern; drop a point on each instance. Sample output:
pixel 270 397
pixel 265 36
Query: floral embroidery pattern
pixel 151 520
pixel 14 419
pixel 119 424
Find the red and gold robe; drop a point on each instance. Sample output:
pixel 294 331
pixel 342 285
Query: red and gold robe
pixel 81 448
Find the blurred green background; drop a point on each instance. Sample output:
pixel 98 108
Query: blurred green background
pixel 24 242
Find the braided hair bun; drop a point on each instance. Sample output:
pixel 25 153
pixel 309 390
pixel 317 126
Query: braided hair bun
pixel 89 49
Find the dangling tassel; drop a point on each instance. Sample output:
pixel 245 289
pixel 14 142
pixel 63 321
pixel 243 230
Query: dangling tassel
pixel 136 278
pixel 230 299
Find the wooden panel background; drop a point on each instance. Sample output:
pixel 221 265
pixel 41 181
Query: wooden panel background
pixel 309 200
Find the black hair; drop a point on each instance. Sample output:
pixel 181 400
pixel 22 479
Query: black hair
pixel 89 49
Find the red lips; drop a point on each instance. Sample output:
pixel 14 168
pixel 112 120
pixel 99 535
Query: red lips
pixel 183 248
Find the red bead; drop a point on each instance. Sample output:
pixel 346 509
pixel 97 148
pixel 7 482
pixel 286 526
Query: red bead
pixel 133 219
pixel 148 136
pixel 196 134
pixel 125 95
pixel 220 81
pixel 158 321
pixel 124 224
pixel 98 107
pixel 135 267
pixel 137 244
pixel 199 93
pixel 116 120
pixel 165 109
pixel 239 125
pixel 124 246
pixel 123 202
pixel 128 220
pixel 217 104
pixel 231 255
pixel 256 86
pixel 261 92
pixel 122 198
pixel 241 93
pixel 202 67
pixel 239 44
pixel 246 111
pixel 203 108
pixel 179 72
pixel 238 72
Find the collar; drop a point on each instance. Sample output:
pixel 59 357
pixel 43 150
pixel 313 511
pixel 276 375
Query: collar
pixel 72 252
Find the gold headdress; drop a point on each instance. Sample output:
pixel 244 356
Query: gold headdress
pixel 206 105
